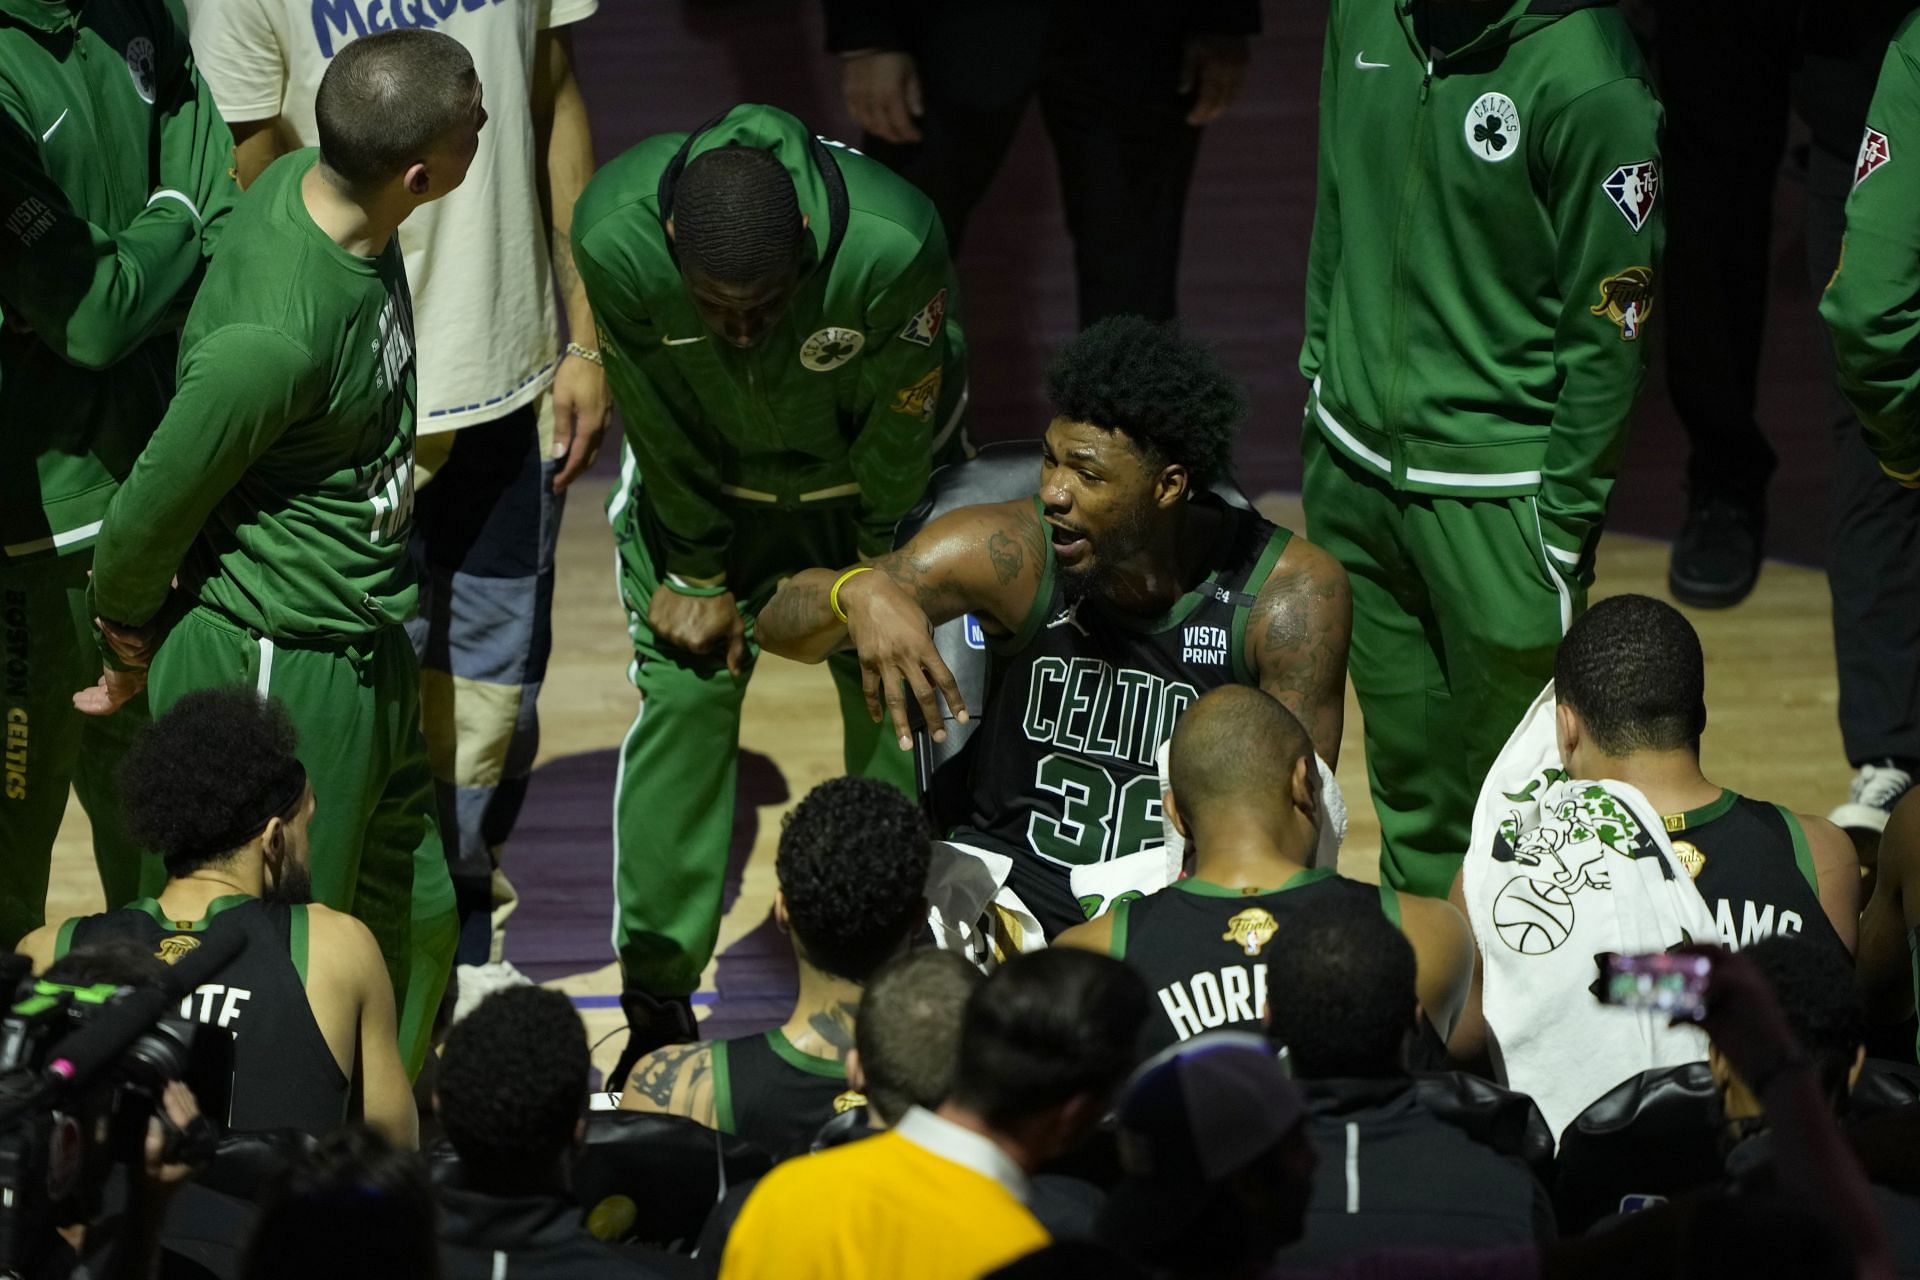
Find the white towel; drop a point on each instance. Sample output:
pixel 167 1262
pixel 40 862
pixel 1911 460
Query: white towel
pixel 1154 868
pixel 1559 871
pixel 972 910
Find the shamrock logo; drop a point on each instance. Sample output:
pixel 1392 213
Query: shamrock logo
pixel 1487 133
pixel 1492 127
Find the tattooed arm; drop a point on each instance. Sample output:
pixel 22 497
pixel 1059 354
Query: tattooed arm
pixel 984 560
pixel 1297 641
pixel 674 1081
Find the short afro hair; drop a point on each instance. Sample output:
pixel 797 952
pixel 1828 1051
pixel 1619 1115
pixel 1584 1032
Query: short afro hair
pixel 1341 991
pixel 852 865
pixel 1814 984
pixel 736 216
pixel 197 777
pixel 353 1205
pixel 513 1084
pixel 1631 666
pixel 388 99
pixel 1165 390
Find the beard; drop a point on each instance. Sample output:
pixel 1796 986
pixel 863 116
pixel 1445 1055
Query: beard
pixel 1109 551
pixel 293 886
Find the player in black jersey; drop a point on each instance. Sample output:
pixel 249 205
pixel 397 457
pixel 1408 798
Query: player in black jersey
pixel 1631 684
pixel 1246 796
pixel 852 867
pixel 1890 926
pixel 1111 600
pixel 215 787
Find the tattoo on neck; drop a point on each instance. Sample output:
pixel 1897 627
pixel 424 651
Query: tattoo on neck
pixel 834 1026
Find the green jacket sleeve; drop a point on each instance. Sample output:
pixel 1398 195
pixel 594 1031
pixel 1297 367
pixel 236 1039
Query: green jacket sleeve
pixel 1872 304
pixel 1324 254
pixel 901 379
pixel 239 389
pixel 675 450
pixel 89 295
pixel 196 147
pixel 1602 153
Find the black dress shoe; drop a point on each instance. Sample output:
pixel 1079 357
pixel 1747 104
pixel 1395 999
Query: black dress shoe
pixel 653 1022
pixel 1716 558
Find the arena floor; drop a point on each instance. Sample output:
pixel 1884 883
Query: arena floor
pixel 1770 690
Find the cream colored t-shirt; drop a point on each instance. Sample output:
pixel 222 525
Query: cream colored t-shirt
pixel 478 260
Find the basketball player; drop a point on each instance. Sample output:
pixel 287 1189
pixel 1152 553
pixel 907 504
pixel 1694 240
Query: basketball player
pixel 1631 683
pixel 280 484
pixel 1482 278
pixel 1246 796
pixel 852 867
pixel 113 190
pixel 1112 599
pixel 778 321
pixel 214 786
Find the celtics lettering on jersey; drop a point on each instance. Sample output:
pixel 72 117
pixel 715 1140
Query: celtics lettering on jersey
pixel 391 490
pixel 1063 763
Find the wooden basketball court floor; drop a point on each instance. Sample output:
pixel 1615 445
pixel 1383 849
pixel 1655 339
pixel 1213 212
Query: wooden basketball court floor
pixel 1770 689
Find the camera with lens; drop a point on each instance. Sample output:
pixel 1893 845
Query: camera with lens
pixel 82 1069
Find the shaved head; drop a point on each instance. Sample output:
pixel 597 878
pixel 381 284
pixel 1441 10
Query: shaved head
pixel 1237 747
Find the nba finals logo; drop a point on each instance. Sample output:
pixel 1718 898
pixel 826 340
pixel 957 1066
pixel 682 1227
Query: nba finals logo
pixel 847 1101
pixel 1251 930
pixel 172 949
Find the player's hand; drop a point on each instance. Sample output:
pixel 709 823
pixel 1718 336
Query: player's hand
pixel 894 641
pixel 1214 70
pixel 115 688
pixel 882 89
pixel 700 624
pixel 581 411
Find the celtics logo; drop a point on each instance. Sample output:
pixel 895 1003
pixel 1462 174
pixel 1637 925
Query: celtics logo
pixel 830 348
pixel 1252 930
pixel 1493 127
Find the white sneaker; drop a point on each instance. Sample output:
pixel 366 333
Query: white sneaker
pixel 478 981
pixel 1876 789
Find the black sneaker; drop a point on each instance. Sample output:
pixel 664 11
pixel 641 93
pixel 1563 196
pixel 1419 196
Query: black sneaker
pixel 1716 558
pixel 653 1022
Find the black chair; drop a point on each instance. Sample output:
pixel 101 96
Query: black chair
pixel 1654 1134
pixel 998 473
pixel 1495 1117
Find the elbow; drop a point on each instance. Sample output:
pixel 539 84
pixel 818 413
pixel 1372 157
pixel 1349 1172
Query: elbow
pixel 97 353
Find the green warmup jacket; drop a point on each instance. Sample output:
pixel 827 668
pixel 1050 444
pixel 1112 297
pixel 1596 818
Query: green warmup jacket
pixel 279 485
pixel 844 404
pixel 1872 304
pixel 1484 250
pixel 115 175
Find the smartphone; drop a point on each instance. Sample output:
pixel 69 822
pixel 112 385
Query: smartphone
pixel 1661 981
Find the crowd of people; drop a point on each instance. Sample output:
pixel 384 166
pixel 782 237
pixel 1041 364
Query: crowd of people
pixel 1082 989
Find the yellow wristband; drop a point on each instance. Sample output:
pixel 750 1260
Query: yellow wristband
pixel 833 596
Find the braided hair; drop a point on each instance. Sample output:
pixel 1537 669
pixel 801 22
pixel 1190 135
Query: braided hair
pixel 736 216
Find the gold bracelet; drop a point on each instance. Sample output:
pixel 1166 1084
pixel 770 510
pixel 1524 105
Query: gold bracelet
pixel 585 353
pixel 833 596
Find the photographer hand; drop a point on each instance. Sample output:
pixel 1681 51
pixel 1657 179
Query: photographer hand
pixel 179 1139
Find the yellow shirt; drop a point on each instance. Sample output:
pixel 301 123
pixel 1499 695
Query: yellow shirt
pixel 883 1208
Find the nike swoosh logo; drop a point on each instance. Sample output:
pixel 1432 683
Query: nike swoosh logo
pixel 681 342
pixel 1360 62
pixel 55 125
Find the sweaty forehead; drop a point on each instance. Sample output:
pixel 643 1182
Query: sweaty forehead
pixel 1075 441
pixel 744 296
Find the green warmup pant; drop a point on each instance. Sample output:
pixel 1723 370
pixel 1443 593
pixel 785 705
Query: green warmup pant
pixel 673 806
pixel 47 654
pixel 1456 617
pixel 375 841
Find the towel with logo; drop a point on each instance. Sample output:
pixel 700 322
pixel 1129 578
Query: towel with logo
pixel 1560 871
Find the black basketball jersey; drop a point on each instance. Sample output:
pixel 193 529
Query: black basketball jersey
pixel 284 1075
pixel 1062 769
pixel 1199 947
pixel 1751 862
pixel 773 1095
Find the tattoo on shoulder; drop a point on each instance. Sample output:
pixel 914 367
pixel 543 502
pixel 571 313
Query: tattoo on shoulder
pixel 1007 555
pixel 661 1073
pixel 1303 648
